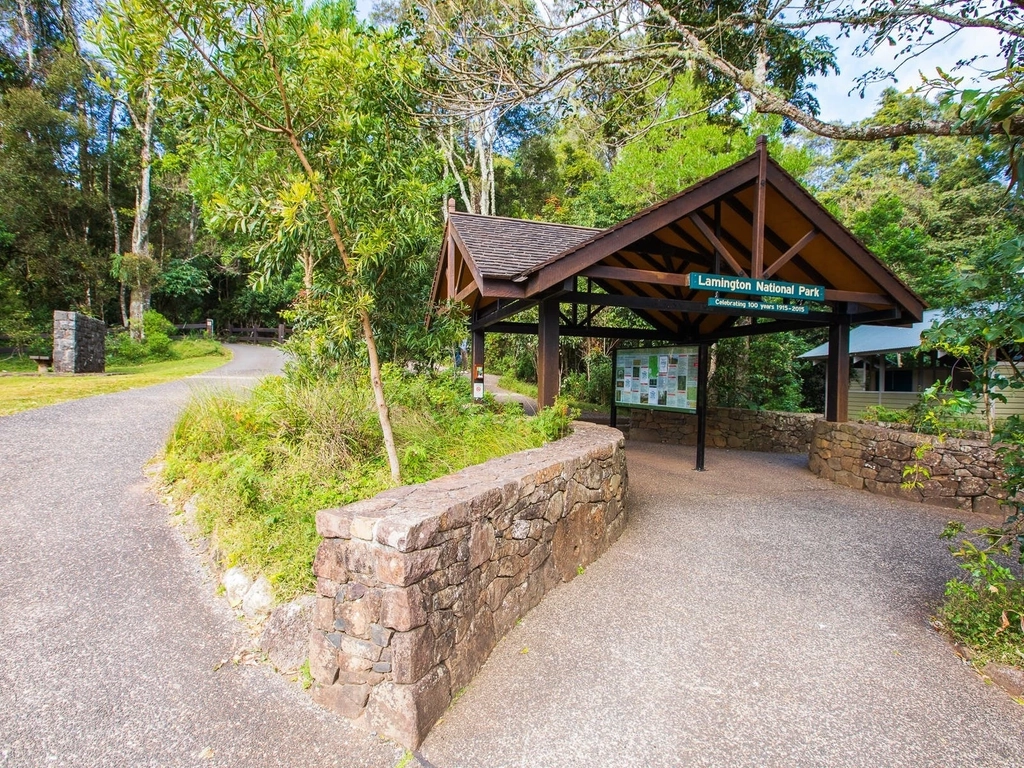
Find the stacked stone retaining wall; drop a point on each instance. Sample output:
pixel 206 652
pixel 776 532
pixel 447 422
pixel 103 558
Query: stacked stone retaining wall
pixel 766 431
pixel 956 472
pixel 416 585
pixel 79 343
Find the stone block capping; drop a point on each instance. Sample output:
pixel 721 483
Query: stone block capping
pixel 738 428
pixel 416 585
pixel 963 473
pixel 79 343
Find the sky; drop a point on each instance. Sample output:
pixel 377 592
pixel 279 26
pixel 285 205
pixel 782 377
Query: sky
pixel 833 91
pixel 837 104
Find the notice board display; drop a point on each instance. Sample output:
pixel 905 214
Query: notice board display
pixel 663 378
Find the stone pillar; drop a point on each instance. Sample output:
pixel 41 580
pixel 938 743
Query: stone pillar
pixel 79 343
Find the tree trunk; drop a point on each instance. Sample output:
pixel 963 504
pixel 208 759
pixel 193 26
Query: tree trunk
pixel 136 309
pixel 29 33
pixel 142 287
pixel 124 307
pixel 377 385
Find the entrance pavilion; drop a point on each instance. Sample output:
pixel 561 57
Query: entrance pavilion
pixel 750 220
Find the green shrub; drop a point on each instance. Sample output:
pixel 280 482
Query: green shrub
pixel 155 323
pixel 122 348
pixel 263 463
pixel 984 608
pixel 885 415
pixel 158 346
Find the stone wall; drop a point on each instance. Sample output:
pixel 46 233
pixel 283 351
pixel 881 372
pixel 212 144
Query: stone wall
pixel 962 473
pixel 766 431
pixel 79 343
pixel 417 585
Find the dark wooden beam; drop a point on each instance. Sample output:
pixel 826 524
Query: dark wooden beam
pixel 710 257
pixel 643 224
pixel 760 190
pixel 478 353
pixel 451 266
pixel 591 332
pixel 502 311
pixel 844 240
pixel 633 275
pixel 677 305
pixel 548 374
pixel 640 312
pixel 720 248
pixel 837 373
pixel 858 297
pixel 777 242
pixel 794 250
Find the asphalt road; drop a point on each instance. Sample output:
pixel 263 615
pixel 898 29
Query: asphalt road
pixel 109 631
pixel 750 615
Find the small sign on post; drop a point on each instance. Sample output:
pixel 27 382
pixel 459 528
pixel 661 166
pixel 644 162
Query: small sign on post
pixel 478 382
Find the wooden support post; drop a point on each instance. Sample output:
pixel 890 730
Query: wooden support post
pixel 757 228
pixel 547 354
pixel 837 376
pixel 613 411
pixel 703 358
pixel 450 268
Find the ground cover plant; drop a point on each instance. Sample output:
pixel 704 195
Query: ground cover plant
pixel 262 463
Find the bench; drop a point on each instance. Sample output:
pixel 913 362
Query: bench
pixel 42 361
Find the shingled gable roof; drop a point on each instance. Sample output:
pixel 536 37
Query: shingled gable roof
pixel 644 262
pixel 503 248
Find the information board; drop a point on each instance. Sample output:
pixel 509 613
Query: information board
pixel 662 378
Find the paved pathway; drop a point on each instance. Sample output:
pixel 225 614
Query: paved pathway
pixel 503 395
pixel 750 615
pixel 109 633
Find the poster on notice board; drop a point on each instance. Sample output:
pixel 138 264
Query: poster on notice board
pixel 662 378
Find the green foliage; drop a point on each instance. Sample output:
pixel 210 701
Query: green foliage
pixel 358 171
pixel 265 462
pixel 556 422
pixel 513 384
pixel 915 474
pixel 757 372
pixel 885 415
pixel 926 205
pixel 985 607
pixel 122 349
pixel 941 411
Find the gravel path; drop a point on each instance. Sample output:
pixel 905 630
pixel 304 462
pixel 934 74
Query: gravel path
pixel 750 615
pixel 109 633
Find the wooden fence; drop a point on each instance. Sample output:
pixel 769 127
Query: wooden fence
pixel 257 335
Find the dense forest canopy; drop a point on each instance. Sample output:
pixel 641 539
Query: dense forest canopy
pixel 287 160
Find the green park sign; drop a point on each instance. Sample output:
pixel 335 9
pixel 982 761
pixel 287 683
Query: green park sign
pixel 705 281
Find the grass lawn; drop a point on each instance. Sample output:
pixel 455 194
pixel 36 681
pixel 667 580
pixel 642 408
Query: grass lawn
pixel 22 392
